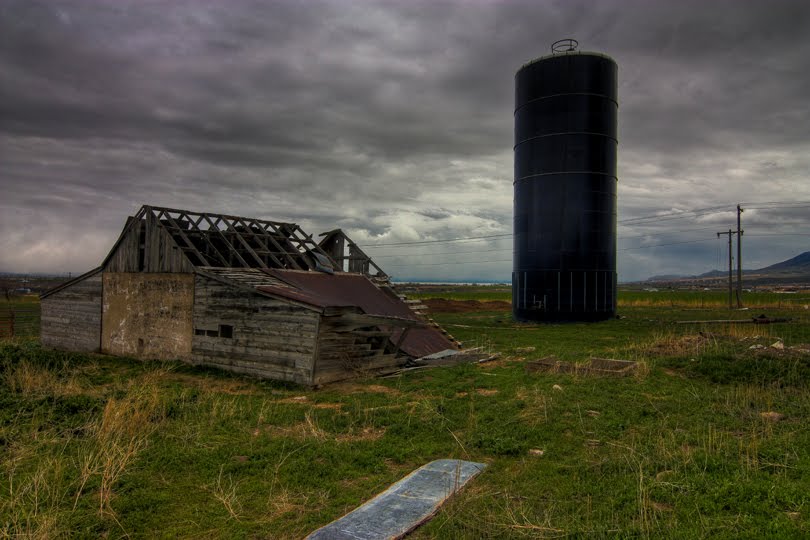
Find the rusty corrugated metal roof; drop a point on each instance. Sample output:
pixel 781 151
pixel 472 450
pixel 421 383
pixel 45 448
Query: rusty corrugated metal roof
pixel 338 290
pixel 355 290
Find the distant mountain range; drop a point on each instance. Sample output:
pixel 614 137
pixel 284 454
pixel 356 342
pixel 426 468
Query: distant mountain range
pixel 792 270
pixel 798 264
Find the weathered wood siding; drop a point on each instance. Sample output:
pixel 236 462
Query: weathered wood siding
pixel 347 349
pixel 147 315
pixel 71 318
pixel 268 338
pixel 160 251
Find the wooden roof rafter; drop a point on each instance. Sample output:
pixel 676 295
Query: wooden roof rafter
pixel 214 226
pixel 260 240
pixel 189 244
pixel 308 244
pixel 194 227
pixel 273 232
pixel 245 243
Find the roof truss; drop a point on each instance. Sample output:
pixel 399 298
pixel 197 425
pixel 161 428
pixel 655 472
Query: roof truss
pixel 220 240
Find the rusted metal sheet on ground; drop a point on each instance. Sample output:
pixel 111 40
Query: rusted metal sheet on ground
pixel 405 505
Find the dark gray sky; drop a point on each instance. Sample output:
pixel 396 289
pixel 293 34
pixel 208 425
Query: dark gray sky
pixel 392 120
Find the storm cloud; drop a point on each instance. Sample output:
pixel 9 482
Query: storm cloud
pixel 392 120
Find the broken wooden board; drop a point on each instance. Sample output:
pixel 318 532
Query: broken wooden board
pixel 610 367
pixel 549 363
pixel 445 358
pixel 405 505
pixel 452 357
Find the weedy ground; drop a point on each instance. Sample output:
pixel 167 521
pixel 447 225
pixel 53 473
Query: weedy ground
pixel 707 439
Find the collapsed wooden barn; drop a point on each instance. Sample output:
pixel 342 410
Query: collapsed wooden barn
pixel 246 295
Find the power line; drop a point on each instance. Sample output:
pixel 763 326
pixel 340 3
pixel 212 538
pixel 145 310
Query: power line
pixel 641 220
pixel 660 217
pixel 781 234
pixel 472 252
pixel 713 210
pixel 442 253
pixel 666 217
pixel 752 204
pixel 390 255
pixel 668 244
pixel 677 215
pixel 783 207
pixel 490 261
pixel 669 233
pixel 665 233
pixel 472 238
pixel 449 262
pixel 465 239
pixel 509 260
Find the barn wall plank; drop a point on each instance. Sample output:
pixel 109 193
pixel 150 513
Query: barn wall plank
pixel 71 318
pixel 126 255
pixel 266 337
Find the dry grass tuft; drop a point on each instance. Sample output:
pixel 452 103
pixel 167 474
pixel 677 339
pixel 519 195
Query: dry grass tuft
pixel 304 400
pixel 537 404
pixel 281 500
pixel 28 379
pixel 521 520
pixel 676 345
pixel 41 498
pixel 311 428
pixel 367 433
pixel 32 503
pixel 355 388
pixel 224 408
pixel 746 331
pixel 213 385
pixel 642 370
pixel 307 429
pixel 118 436
pixel 225 491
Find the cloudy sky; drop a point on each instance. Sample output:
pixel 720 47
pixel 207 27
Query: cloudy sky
pixel 393 120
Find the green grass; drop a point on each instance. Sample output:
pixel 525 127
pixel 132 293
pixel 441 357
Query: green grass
pixel 708 299
pixel 96 446
pixel 464 292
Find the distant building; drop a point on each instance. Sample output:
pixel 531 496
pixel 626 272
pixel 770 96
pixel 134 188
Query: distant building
pixel 242 294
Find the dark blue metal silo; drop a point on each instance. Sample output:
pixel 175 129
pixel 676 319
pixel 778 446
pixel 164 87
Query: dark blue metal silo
pixel 564 264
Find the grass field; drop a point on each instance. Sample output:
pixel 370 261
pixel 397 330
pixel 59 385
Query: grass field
pixel 631 298
pixel 19 316
pixel 707 439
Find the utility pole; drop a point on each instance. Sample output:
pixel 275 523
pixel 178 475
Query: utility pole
pixel 739 258
pixel 730 272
